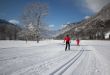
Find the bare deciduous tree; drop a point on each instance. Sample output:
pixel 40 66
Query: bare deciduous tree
pixel 32 19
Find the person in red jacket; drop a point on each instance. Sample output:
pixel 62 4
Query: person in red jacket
pixel 77 41
pixel 67 39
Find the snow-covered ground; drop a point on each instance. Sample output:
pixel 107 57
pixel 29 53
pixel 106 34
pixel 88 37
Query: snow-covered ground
pixel 49 58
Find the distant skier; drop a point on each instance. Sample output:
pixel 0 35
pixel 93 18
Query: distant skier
pixel 67 39
pixel 73 36
pixel 77 41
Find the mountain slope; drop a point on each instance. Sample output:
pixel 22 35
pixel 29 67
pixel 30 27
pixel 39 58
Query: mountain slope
pixel 94 27
pixel 8 30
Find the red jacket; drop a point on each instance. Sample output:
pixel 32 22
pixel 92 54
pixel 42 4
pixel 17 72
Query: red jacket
pixel 67 39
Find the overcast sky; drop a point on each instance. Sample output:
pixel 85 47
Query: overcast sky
pixel 60 11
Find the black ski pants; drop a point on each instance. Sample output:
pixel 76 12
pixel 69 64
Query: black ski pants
pixel 67 45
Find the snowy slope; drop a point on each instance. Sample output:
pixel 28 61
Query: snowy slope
pixel 49 58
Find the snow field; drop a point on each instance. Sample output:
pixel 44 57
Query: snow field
pixel 49 58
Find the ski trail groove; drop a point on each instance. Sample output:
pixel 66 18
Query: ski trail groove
pixel 47 62
pixel 65 66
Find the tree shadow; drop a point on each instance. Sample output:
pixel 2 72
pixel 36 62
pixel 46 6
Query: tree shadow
pixel 78 50
pixel 78 45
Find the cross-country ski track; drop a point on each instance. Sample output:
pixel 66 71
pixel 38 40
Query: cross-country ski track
pixel 51 59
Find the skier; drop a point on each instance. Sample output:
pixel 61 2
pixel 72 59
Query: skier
pixel 77 41
pixel 67 39
pixel 73 36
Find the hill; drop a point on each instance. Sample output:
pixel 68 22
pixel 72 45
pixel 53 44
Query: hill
pixel 94 27
pixel 8 31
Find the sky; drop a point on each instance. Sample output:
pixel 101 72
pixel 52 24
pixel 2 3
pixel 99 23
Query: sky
pixel 60 12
